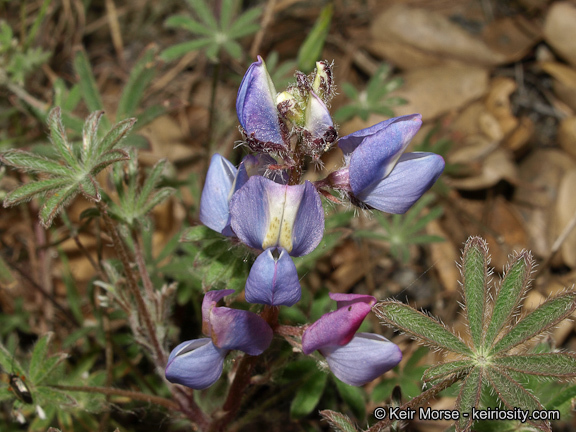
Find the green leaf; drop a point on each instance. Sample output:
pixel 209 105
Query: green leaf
pixel 160 196
pixel 559 364
pixel 547 315
pixel 204 13
pixel 515 396
pixel 474 274
pixel 113 138
pixel 8 363
pixel 58 138
pixel 199 233
pixel 563 397
pixel 55 203
pixel 468 398
pixel 55 397
pixel 33 163
pixel 108 158
pixel 227 10
pixel 152 180
pixel 338 422
pixel 244 25
pixel 87 83
pixel 308 394
pixel 419 326
pixel 512 288
pixel 443 370
pixel 311 49
pixel 29 190
pixel 39 356
pixel 90 189
pixel 354 397
pixel 187 23
pixel 140 77
pixel 181 49
pixel 90 134
pixel 233 49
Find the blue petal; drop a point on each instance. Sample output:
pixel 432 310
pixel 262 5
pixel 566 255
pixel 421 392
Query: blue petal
pixel 309 224
pixel 216 193
pixel 273 281
pixel 363 359
pixel 256 105
pixel 196 364
pixel 349 142
pixel 235 329
pixel 412 176
pixel 265 214
pixel 376 156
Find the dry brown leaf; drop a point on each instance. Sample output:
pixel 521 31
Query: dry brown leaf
pixel 565 211
pixel 564 82
pixel 498 103
pixel 513 37
pixel 497 166
pixel 540 175
pixel 427 34
pixel 444 255
pixel 437 90
pixel 567 135
pixel 560 30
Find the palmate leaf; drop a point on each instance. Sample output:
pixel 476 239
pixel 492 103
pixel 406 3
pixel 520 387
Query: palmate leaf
pixel 474 274
pixel 469 397
pixel 419 326
pixel 512 289
pixel 31 162
pixel 30 190
pixel 546 316
pixel 444 370
pixel 559 365
pixel 515 396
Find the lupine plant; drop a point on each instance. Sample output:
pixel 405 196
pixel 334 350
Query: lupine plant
pixel 264 204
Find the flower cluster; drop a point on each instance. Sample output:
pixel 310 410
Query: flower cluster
pixel 264 204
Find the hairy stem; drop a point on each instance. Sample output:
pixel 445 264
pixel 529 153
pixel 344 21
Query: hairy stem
pixel 132 282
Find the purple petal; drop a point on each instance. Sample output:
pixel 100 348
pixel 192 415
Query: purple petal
pixel 413 175
pixel 196 364
pixel 256 105
pixel 235 329
pixel 211 299
pixel 266 214
pixel 377 154
pixel 216 193
pixel 273 281
pixel 349 142
pixel 364 359
pixel 338 327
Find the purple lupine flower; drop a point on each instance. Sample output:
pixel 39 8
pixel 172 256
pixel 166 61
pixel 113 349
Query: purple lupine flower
pixel 198 363
pixel 267 118
pixel 223 180
pixel 257 113
pixel 377 174
pixel 280 220
pixel 354 358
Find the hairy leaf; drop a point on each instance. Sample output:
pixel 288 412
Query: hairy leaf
pixel 30 190
pixel 443 370
pixel 419 326
pixel 512 288
pixel 338 422
pixel 561 365
pixel 468 398
pixel 31 162
pixel 547 315
pixel 474 273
